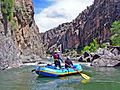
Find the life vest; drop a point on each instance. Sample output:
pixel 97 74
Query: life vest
pixel 56 56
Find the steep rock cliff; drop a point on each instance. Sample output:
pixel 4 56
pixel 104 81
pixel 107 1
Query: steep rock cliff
pixel 26 34
pixel 20 38
pixel 93 22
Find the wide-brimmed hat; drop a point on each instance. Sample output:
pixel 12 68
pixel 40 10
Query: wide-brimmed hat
pixel 68 57
pixel 57 50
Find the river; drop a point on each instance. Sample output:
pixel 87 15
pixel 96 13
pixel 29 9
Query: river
pixel 23 79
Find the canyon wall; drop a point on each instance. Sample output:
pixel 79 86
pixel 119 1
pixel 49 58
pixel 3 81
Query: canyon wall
pixel 93 23
pixel 20 40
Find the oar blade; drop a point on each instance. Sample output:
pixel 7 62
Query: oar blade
pixel 85 76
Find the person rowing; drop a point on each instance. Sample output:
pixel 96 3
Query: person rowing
pixel 68 63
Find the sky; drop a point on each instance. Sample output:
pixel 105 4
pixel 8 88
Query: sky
pixel 51 13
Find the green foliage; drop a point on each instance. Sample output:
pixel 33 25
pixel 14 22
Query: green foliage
pixel 10 9
pixel 85 49
pixel 116 40
pixel 91 48
pixel 103 45
pixel 93 45
pixel 7 7
pixel 115 27
pixel 115 31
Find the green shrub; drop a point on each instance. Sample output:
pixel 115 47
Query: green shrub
pixel 103 45
pixel 86 49
pixel 7 8
pixel 115 31
pixel 116 40
pixel 92 47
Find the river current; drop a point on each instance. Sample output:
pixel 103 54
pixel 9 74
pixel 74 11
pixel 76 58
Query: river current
pixel 23 79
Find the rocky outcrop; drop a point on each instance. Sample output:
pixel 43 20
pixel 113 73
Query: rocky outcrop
pixel 9 53
pixel 109 57
pixel 22 38
pixel 26 35
pixel 94 22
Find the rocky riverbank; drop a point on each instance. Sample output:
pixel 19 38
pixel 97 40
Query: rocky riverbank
pixel 108 57
pixel 103 57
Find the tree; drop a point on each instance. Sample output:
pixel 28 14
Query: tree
pixel 115 33
pixel 7 8
pixel 85 49
pixel 92 47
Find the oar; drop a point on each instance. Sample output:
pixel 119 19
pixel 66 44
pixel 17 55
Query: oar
pixel 82 74
pixel 45 65
pixel 33 70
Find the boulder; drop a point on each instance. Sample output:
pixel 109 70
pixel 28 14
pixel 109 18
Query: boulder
pixel 86 57
pixel 102 62
pixel 108 58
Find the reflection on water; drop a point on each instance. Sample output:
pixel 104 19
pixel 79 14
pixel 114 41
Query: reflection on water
pixel 61 83
pixel 23 79
pixel 85 81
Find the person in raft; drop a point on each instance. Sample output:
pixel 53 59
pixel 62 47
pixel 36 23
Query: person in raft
pixel 68 63
pixel 57 59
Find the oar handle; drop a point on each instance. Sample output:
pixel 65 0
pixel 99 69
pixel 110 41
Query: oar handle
pixel 72 67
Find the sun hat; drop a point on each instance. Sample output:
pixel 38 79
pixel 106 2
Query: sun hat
pixel 57 50
pixel 68 57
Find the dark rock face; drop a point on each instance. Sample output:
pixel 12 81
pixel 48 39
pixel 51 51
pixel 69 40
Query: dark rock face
pixel 22 39
pixel 94 22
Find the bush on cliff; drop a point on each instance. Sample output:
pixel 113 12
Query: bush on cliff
pixel 115 33
pixel 92 47
pixel 7 8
